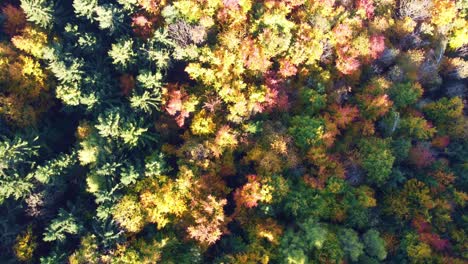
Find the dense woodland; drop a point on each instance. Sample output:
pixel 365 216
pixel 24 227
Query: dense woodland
pixel 233 131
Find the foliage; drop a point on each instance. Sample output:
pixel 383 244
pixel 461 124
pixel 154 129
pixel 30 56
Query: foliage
pixel 25 245
pixel 377 159
pixel 233 131
pixel 375 245
pixel 307 131
pixel 63 224
pixel 351 245
pixel 40 12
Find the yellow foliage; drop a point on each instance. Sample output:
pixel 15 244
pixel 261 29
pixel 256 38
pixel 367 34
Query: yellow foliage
pixel 404 26
pixel 87 252
pixel 419 251
pixel 83 130
pixel 87 154
pixel 129 214
pixel 443 13
pixel 226 138
pixel 460 34
pixel 161 201
pixel 25 245
pixel 366 196
pixel 32 41
pixel 202 124
pixel 93 182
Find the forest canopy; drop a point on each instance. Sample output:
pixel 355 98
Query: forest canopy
pixel 233 131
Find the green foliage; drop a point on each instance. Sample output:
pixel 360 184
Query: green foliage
pixel 85 8
pixel 54 168
pixel 306 131
pixel 405 94
pixel 377 159
pixel 65 223
pixel 416 127
pixel 122 54
pixel 15 161
pixel 444 110
pixel 297 247
pixel 232 131
pixel 109 17
pixel 40 12
pixel 313 100
pixel 112 126
pixel 375 245
pixel 351 244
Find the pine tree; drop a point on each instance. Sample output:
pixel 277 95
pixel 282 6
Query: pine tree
pixel 40 12
pixel 15 161
pixel 65 223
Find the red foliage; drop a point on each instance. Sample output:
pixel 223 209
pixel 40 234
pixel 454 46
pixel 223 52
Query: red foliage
pixel 209 220
pixel 127 83
pixel 342 33
pixel 276 96
pixel 348 65
pixel 249 194
pixel 313 182
pixel 142 26
pixel 254 57
pixel 231 4
pixel 421 224
pixel 377 45
pixel 421 156
pixel 287 69
pixel 151 6
pixel 175 104
pixel 435 241
pixel 368 6
pixel 212 104
pixel 443 179
pixel 15 19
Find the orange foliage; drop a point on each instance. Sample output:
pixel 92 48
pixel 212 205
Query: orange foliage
pixel 15 20
pixel 127 83
pixel 209 220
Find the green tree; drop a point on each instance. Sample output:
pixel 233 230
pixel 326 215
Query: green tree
pixel 444 109
pixel 306 131
pixel 65 223
pixel 375 245
pixel 15 161
pixel 40 12
pixel 405 94
pixel 351 244
pixel 377 159
pixel 122 54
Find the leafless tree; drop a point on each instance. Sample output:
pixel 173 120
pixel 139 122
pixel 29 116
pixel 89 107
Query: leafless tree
pixel 418 10
pixel 185 34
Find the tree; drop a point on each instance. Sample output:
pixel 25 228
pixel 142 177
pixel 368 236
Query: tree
pixel 352 246
pixel 15 19
pixel 65 223
pixel 40 12
pixel 405 94
pixel 85 8
pixel 129 214
pixel 375 245
pixel 122 54
pixel 377 159
pixel 209 220
pixel 15 162
pixel 444 109
pixel 25 245
pixel 306 131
